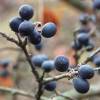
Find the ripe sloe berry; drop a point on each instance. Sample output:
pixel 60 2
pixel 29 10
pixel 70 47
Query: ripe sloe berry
pixel 83 39
pixel 35 37
pixel 51 86
pixel 37 60
pixel 96 60
pixel 48 65
pixel 49 30
pixel 86 72
pixel 61 63
pixel 14 23
pixel 39 46
pixel 26 12
pixel 26 28
pixel 81 85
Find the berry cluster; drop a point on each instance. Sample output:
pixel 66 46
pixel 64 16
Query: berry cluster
pixel 80 83
pixel 82 36
pixel 24 27
pixel 82 40
pixel 60 63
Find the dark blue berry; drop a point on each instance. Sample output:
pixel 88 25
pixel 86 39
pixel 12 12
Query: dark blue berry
pixel 26 11
pixel 83 39
pixel 86 72
pixel 26 28
pixel 81 85
pixel 14 23
pixel 37 60
pixel 61 63
pixel 35 37
pixel 39 46
pixel 96 60
pixel 49 30
pixel 48 65
pixel 51 86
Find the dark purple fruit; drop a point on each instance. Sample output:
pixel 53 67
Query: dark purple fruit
pixel 48 65
pixel 14 23
pixel 38 60
pixel 81 85
pixel 26 28
pixel 51 86
pixel 26 11
pixel 49 30
pixel 86 72
pixel 61 63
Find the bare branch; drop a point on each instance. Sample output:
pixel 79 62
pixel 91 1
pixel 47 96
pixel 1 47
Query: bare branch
pixel 17 91
pixel 68 75
pixel 91 56
pixel 9 38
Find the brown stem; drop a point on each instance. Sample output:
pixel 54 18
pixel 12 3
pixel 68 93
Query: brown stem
pixel 30 62
pixel 40 87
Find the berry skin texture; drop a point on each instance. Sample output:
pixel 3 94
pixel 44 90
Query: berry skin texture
pixel 14 23
pixel 26 28
pixel 61 63
pixel 83 39
pixel 37 60
pixel 35 38
pixel 51 86
pixel 48 65
pixel 96 60
pixel 49 30
pixel 26 12
pixel 81 85
pixel 86 72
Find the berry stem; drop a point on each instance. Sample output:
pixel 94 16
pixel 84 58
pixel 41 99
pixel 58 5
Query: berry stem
pixel 40 87
pixel 68 75
pixel 31 64
pixel 23 47
pixel 91 55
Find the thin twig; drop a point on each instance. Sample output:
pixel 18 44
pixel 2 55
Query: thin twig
pixel 40 87
pixel 17 91
pixel 68 75
pixel 30 62
pixel 9 38
pixel 91 56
